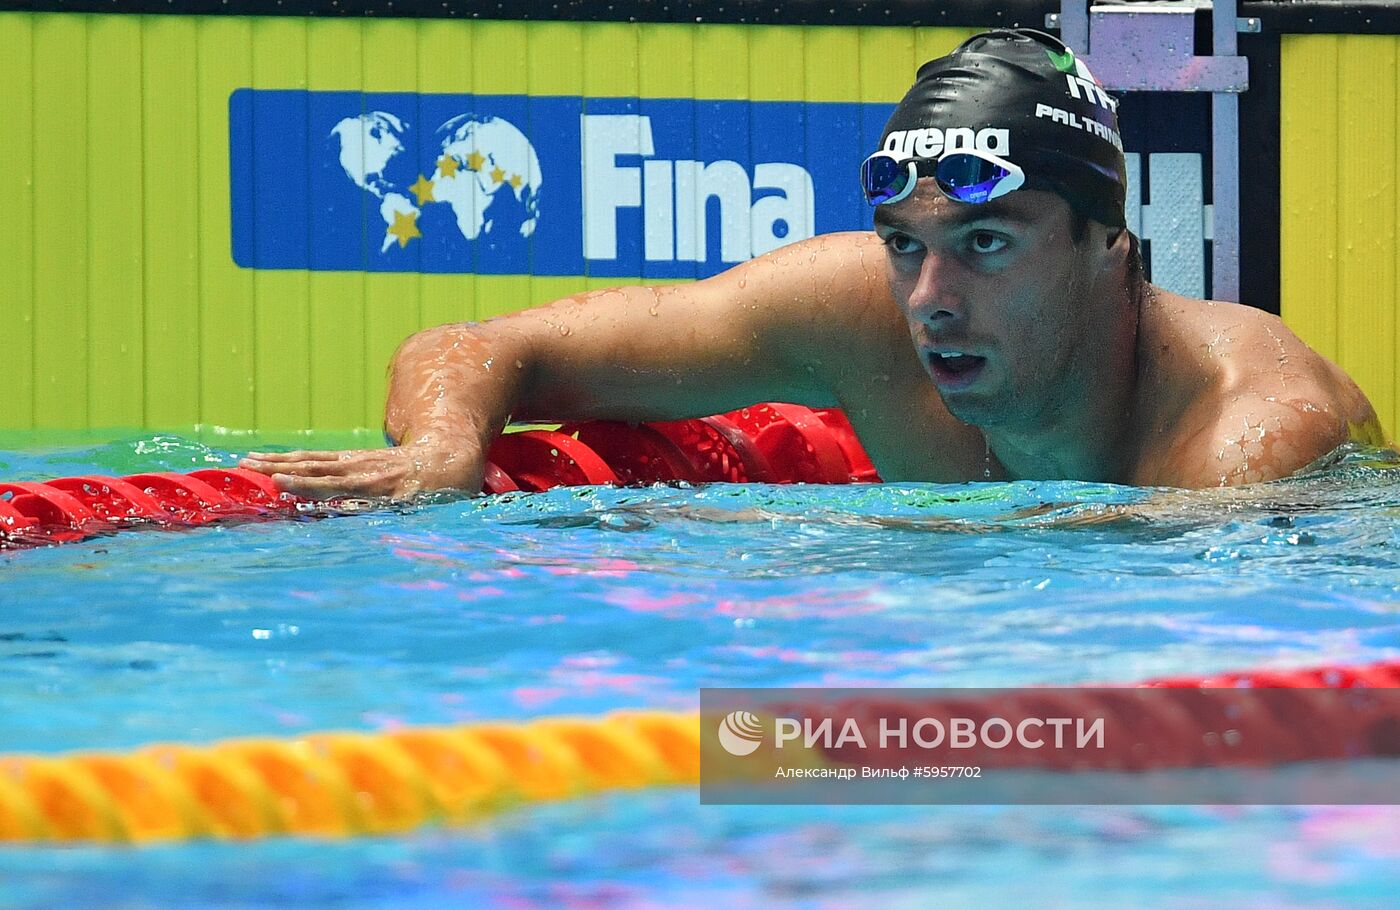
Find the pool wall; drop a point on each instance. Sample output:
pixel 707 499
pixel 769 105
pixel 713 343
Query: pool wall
pixel 174 255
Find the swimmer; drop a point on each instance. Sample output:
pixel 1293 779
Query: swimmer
pixel 995 325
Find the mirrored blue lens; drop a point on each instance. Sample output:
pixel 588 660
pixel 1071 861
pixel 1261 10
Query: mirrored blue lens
pixel 883 178
pixel 968 178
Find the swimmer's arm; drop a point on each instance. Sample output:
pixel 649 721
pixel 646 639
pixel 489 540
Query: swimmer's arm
pixel 747 335
pixel 772 329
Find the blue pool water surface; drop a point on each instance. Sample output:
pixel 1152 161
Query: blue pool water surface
pixel 585 600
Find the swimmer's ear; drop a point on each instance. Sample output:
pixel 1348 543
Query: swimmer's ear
pixel 1120 240
pixel 1117 248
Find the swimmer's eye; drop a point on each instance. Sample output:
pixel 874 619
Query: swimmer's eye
pixel 902 244
pixel 985 243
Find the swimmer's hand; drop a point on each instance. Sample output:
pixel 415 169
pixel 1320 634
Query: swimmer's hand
pixel 393 473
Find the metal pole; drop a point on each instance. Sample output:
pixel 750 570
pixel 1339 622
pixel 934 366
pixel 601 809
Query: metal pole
pixel 1074 25
pixel 1225 164
pixel 1140 48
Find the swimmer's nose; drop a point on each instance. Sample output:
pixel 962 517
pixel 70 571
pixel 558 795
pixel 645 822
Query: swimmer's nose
pixel 936 316
pixel 935 299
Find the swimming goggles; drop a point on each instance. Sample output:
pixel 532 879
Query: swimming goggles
pixel 965 176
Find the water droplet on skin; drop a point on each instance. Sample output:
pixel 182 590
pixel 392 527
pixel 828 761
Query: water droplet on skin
pixel 519 365
pixel 564 330
pixel 487 364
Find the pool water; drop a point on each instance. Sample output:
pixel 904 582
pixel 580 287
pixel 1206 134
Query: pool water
pixel 585 600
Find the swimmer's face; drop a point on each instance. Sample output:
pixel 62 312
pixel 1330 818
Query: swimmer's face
pixel 1002 282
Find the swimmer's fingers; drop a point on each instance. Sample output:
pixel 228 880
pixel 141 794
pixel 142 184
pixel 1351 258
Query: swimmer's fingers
pixel 305 467
pixel 314 476
pixel 288 457
pixel 332 487
pixel 395 473
pixel 378 483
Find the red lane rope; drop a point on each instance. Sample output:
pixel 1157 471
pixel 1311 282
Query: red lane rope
pixel 1258 717
pixel 75 508
pixel 765 443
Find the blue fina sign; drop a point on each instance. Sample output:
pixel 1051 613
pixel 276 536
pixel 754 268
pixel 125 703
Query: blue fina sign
pixel 515 184
pixel 614 188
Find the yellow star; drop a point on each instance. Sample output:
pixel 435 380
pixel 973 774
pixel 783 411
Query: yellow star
pixel 515 181
pixel 497 175
pixel 447 166
pixel 404 228
pixel 423 189
pixel 475 160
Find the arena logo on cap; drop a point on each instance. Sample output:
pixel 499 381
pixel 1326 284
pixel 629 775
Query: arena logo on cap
pixel 931 142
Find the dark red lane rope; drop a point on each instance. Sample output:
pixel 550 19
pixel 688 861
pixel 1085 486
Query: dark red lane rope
pixel 767 443
pixel 1252 718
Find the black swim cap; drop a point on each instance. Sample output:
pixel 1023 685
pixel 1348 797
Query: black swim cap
pixel 1024 96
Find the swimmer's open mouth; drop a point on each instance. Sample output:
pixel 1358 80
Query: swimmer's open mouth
pixel 954 368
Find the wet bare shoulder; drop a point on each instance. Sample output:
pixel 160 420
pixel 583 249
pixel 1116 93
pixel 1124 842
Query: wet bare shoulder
pixel 1270 407
pixel 1272 364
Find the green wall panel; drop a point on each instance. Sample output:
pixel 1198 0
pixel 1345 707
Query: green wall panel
pixel 123 306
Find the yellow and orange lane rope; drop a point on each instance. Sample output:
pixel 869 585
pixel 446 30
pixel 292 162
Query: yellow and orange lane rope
pixel 346 784
pixel 339 784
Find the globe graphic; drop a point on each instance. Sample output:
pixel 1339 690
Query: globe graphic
pixel 369 143
pixel 483 177
pixel 502 179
